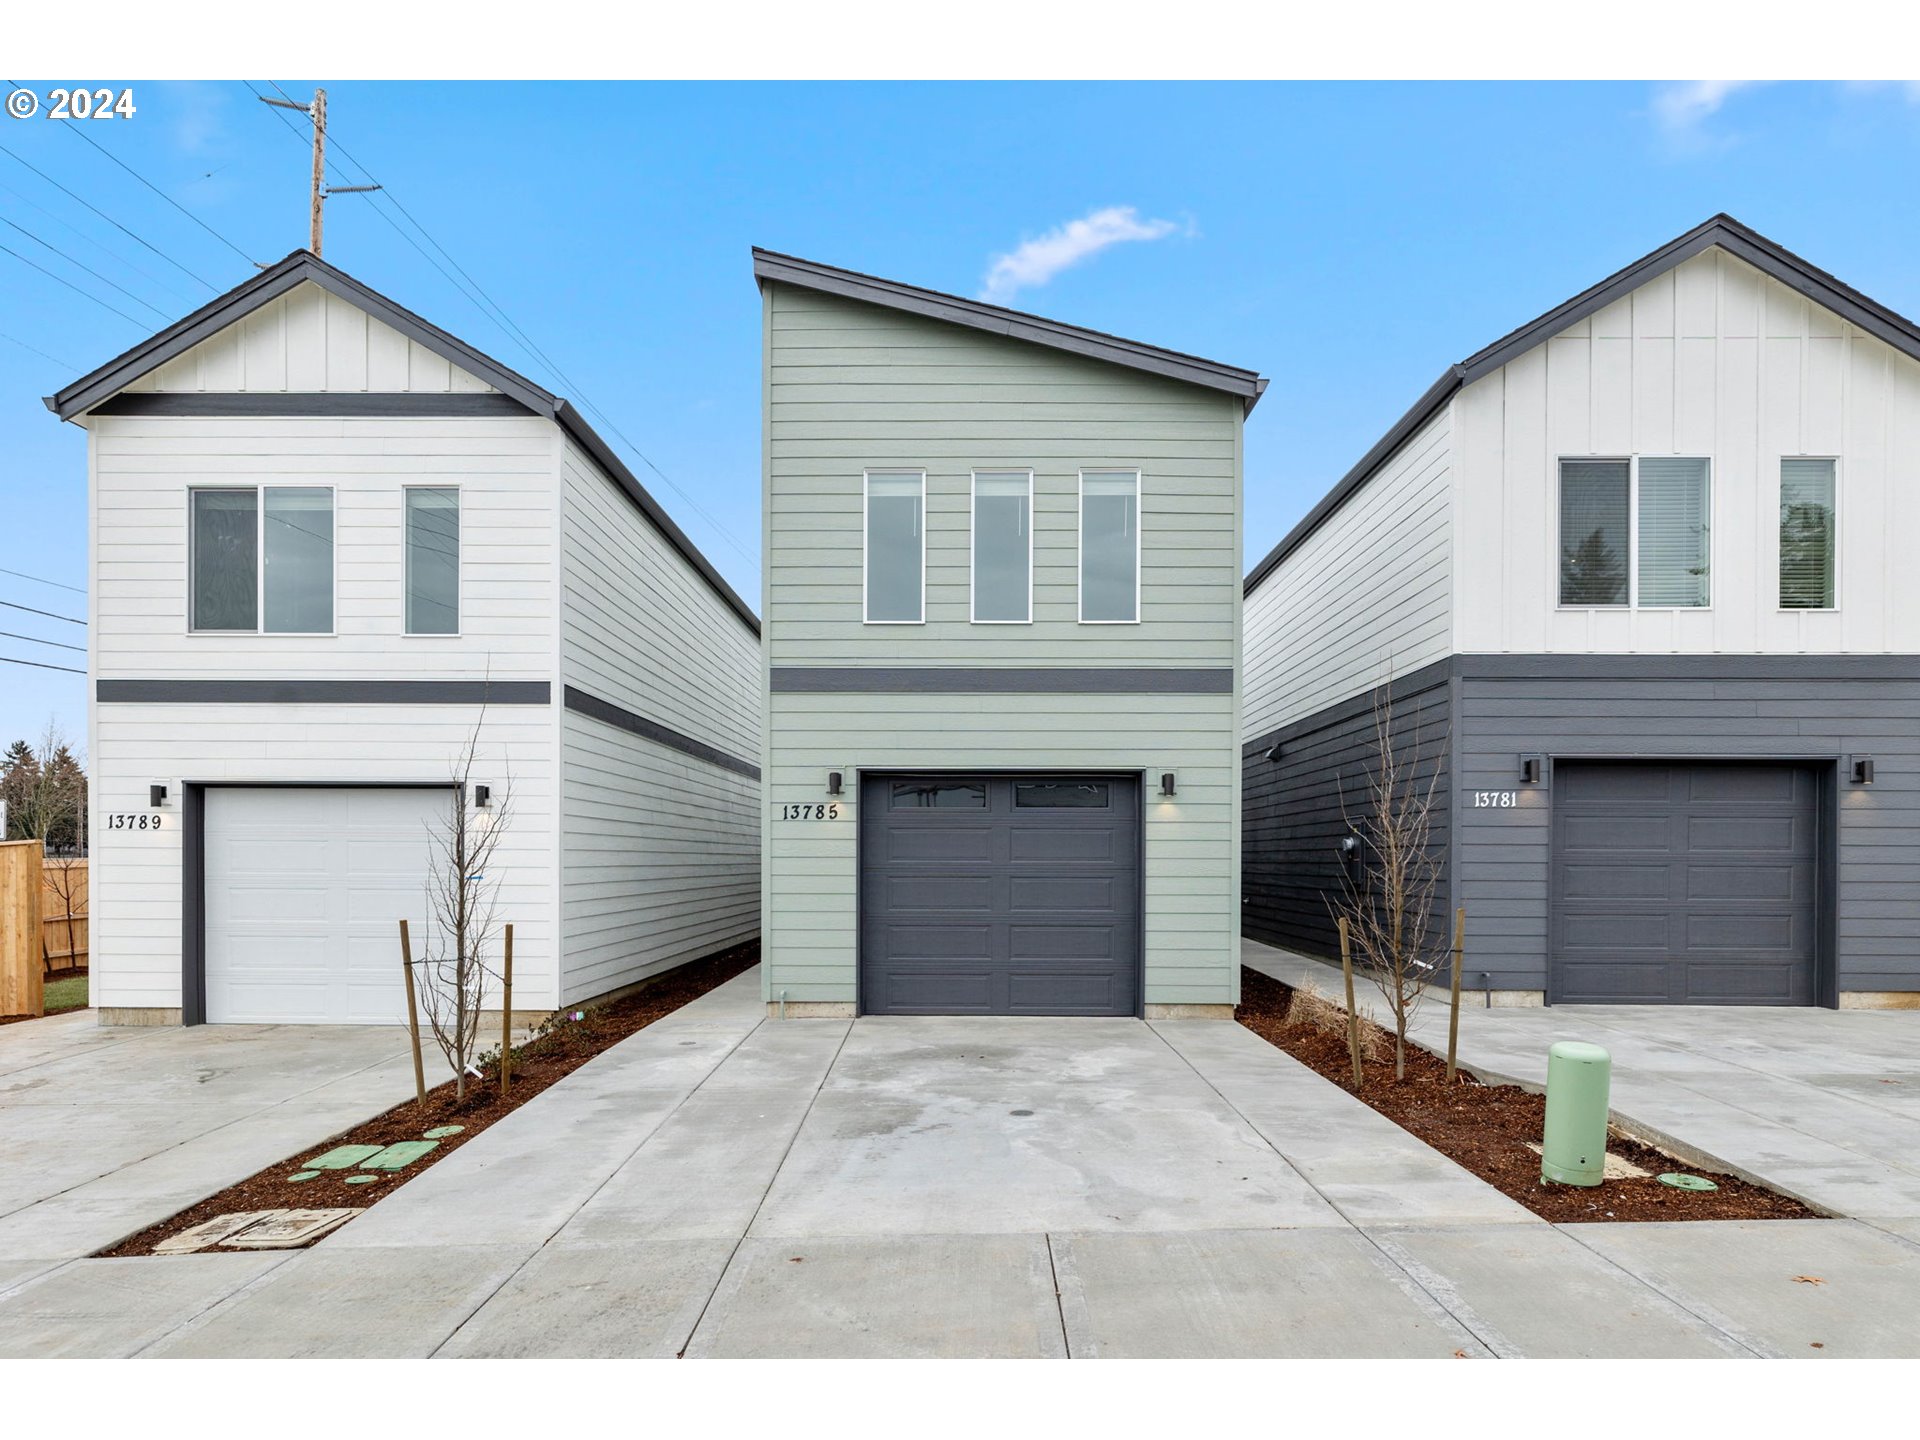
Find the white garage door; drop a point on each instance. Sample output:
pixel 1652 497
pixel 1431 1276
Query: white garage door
pixel 304 892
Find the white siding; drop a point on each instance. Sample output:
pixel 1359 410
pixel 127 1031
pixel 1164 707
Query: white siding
pixel 1714 358
pixel 137 874
pixel 305 341
pixel 1365 597
pixel 661 859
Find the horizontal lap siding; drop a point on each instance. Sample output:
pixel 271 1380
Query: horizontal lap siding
pixel 137 874
pixel 1503 854
pixel 1366 597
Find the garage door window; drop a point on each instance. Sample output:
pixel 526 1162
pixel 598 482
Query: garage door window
pixel 1085 795
pixel 262 560
pixel 938 795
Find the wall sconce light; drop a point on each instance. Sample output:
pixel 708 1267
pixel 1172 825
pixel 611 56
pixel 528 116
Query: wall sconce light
pixel 1273 754
pixel 1166 785
pixel 1350 854
pixel 1530 767
pixel 156 795
pixel 834 782
pixel 482 796
pixel 1863 769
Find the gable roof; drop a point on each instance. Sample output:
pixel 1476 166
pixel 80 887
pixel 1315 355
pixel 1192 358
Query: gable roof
pixel 1722 230
pixel 303 267
pixel 1016 324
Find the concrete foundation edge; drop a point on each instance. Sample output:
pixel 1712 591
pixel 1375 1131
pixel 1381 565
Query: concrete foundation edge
pixel 1189 1012
pixel 812 1010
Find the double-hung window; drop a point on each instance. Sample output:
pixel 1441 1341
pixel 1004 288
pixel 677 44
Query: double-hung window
pixel 433 559
pixel 1636 532
pixel 1807 529
pixel 1110 547
pixel 1003 547
pixel 896 547
pixel 261 559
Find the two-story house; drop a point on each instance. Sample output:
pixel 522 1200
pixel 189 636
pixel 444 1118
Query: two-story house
pixel 1002 644
pixel 1633 578
pixel 329 540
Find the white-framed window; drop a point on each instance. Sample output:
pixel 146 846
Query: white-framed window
pixel 1109 547
pixel 1001 576
pixel 1809 532
pixel 1636 531
pixel 431 518
pixel 260 559
pixel 894 570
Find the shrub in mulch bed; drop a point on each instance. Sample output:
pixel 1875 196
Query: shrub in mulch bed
pixel 562 1046
pixel 1486 1128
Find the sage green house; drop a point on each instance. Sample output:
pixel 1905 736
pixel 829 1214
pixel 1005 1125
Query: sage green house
pixel 1002 639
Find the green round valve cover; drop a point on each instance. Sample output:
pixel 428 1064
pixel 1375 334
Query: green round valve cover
pixel 305 1175
pixel 1687 1182
pixel 361 1179
pixel 440 1132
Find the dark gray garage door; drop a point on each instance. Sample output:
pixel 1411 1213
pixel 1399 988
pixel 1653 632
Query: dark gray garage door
pixel 1683 884
pixel 999 896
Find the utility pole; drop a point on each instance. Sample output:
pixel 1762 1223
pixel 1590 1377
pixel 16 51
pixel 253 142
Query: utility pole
pixel 316 114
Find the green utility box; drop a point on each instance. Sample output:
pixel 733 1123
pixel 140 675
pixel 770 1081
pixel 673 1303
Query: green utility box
pixel 1574 1148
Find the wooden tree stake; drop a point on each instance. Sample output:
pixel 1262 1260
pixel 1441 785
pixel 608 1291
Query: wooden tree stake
pixel 506 1012
pixel 1353 1015
pixel 413 1016
pixel 1453 1009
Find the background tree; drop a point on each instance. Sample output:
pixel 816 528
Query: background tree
pixel 45 788
pixel 19 784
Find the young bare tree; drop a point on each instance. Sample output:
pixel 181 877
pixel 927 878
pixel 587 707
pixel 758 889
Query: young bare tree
pixel 453 966
pixel 1387 893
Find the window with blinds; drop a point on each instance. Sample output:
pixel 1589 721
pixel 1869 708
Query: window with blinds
pixel 1806 534
pixel 1594 511
pixel 1672 565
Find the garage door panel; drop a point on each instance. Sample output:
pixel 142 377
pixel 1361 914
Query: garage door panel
pixel 1715 902
pixel 906 844
pixel 1061 844
pixel 945 941
pixel 1063 892
pixel 963 894
pixel 935 990
pixel 1054 991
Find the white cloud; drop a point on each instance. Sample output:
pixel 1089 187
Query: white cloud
pixel 1684 107
pixel 1038 260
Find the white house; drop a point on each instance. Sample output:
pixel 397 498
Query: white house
pixel 328 540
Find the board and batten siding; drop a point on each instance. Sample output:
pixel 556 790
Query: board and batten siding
pixel 852 387
pixel 661 849
pixel 1713 358
pixel 1366 597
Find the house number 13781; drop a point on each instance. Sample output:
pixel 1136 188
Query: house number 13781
pixel 1495 799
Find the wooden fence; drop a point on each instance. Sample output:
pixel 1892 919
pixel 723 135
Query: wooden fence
pixel 22 938
pixel 63 914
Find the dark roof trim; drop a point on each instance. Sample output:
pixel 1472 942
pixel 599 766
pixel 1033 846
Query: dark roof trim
pixel 1016 324
pixel 1722 230
pixel 90 391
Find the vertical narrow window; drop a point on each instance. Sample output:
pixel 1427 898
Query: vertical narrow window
pixel 1673 532
pixel 1110 546
pixel 433 560
pixel 296 584
pixel 896 546
pixel 1594 510
pixel 1003 546
pixel 1806 534
pixel 225 582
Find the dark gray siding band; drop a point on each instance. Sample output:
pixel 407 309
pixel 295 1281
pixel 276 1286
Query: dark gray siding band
pixel 1015 324
pixel 1797 668
pixel 1722 231
pixel 324 692
pixel 608 713
pixel 1008 680
pixel 1411 683
pixel 322 405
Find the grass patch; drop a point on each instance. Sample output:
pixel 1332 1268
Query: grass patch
pixel 67 994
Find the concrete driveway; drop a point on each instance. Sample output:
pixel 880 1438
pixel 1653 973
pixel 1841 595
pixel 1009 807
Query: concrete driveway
pixel 105 1131
pixel 724 1185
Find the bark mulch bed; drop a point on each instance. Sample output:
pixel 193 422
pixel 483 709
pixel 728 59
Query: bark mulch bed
pixel 1485 1128
pixel 560 1048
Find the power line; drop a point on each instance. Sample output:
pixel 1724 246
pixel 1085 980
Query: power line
pixel 88 268
pixel 146 275
pixel 111 221
pixel 64 364
pixel 57 584
pixel 71 286
pixel 151 186
pixel 48 613
pixel 40 665
pixel 36 640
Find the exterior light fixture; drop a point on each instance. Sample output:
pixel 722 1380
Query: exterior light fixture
pixel 835 782
pixel 1166 785
pixel 482 796
pixel 1530 769
pixel 1863 769
pixel 156 796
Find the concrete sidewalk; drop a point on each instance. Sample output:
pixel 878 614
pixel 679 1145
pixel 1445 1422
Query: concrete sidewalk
pixel 1823 1105
pixel 724 1185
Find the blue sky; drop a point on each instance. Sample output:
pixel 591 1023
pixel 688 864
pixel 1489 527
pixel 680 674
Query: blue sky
pixel 1347 240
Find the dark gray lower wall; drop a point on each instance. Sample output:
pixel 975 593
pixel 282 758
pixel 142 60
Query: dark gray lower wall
pixel 1297 808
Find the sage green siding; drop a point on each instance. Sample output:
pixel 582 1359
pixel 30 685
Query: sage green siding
pixel 852 387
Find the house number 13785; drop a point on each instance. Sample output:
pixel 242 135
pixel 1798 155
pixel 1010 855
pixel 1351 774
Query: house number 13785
pixel 810 812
